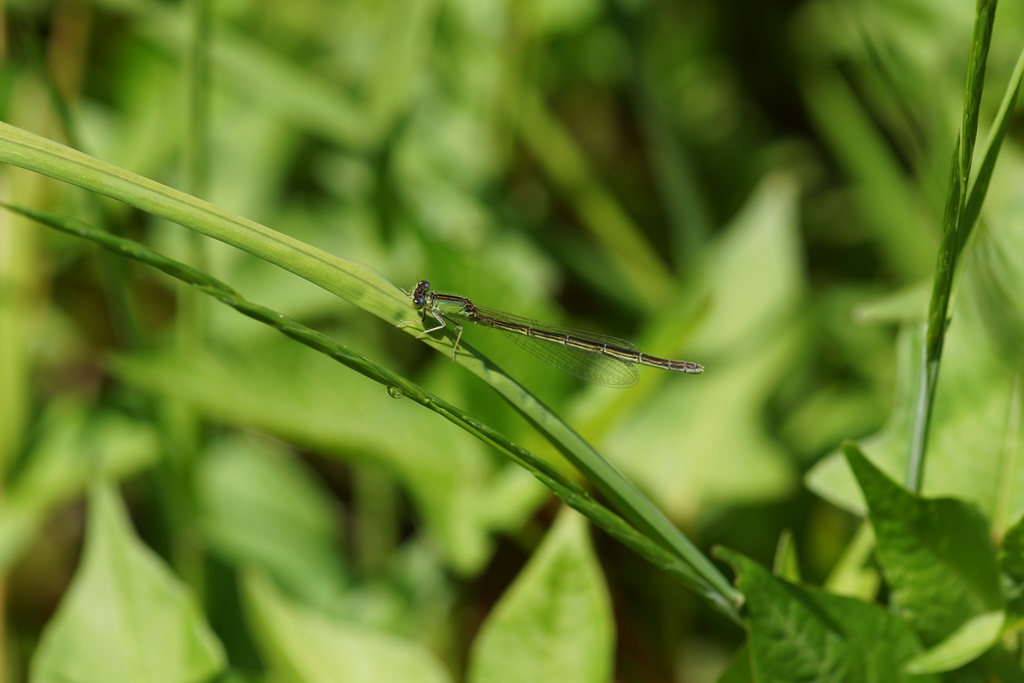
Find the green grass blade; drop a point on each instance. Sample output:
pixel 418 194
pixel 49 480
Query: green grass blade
pixel 368 289
pixel 566 489
pixel 939 304
pixel 955 229
pixel 358 283
pixel 979 185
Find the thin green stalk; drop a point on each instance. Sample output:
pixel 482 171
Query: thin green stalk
pixel 953 238
pixel 175 480
pixel 930 371
pixel 568 490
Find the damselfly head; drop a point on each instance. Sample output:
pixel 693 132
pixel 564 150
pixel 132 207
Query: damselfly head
pixel 419 293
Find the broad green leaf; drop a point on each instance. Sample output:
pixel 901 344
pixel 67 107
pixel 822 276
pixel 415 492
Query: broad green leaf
pixel 73 447
pixel 968 427
pixel 739 670
pixel 801 634
pixel 855 574
pixel 125 618
pixel 1011 555
pixel 1011 562
pixel 935 554
pixel 318 404
pixel 754 289
pixel 304 646
pixel 262 509
pixel 555 622
pixel 787 564
pixel 964 645
pixel 757 281
pixel 663 446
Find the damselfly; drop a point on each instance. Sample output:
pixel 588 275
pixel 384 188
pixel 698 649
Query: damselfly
pixel 588 356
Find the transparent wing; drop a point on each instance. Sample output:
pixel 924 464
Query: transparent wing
pixel 590 367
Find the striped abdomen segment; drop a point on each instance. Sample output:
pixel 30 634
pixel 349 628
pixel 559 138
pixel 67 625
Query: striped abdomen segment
pixel 618 350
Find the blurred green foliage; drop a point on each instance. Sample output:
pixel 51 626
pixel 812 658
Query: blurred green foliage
pixel 758 187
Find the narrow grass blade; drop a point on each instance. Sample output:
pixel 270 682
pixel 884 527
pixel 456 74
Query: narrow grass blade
pixel 954 234
pixel 994 143
pixel 694 575
pixel 364 287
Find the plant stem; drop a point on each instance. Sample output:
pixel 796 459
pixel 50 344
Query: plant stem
pixel 952 242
